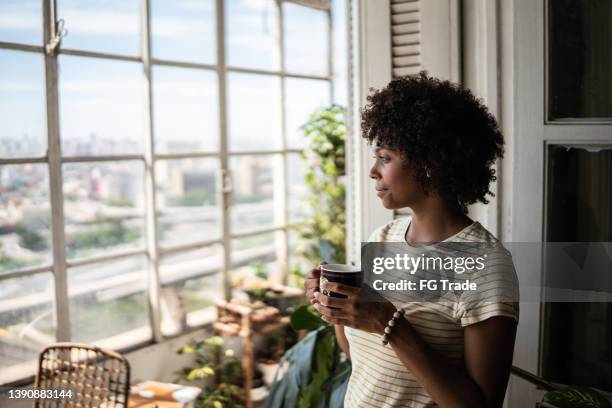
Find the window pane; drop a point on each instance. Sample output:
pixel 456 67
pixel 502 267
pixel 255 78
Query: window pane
pixel 253 178
pixel 254 112
pixel 298 191
pixel 184 30
pixel 186 110
pixel 256 256
pixel 104 207
pixel 27 323
pixel 252 34
pixel 579 209
pixel 22 104
pixel 303 97
pixel 306 39
pixel 108 304
pixel 102 106
pixel 21 21
pixel 187 201
pixel 580 59
pixel 111 26
pixel 187 296
pixel 25 233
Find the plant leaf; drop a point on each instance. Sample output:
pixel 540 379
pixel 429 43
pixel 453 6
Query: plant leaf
pixel 576 397
pixel 306 317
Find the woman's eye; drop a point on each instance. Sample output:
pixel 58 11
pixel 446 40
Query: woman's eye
pixel 384 159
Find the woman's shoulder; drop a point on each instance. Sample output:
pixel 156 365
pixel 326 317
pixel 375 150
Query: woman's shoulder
pixel 392 231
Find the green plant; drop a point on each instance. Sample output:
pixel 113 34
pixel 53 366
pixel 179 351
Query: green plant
pixel 31 239
pixel 576 397
pixel 323 234
pixel 218 374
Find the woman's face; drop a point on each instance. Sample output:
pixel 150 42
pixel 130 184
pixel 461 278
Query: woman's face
pixel 395 185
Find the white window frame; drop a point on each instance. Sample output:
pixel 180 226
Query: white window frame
pixel 152 248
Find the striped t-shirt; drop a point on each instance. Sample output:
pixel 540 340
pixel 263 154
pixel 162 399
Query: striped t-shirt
pixel 379 379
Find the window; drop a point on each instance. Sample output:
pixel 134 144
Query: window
pixel 579 209
pixel 146 154
pixel 579 60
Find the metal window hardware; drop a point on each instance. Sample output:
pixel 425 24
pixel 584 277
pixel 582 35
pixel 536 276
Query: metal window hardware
pixel 53 44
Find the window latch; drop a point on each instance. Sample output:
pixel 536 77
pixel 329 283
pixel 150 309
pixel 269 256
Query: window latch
pixel 60 32
pixel 227 187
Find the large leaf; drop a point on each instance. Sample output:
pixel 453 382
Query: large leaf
pixel 336 386
pixel 285 393
pixel 576 397
pixel 306 317
pixel 323 362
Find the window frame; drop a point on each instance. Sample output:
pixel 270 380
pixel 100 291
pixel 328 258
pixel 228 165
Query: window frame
pixel 152 248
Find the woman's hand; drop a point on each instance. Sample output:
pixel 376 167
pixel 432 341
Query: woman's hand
pixel 311 283
pixel 353 311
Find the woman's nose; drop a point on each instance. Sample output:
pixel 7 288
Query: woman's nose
pixel 374 173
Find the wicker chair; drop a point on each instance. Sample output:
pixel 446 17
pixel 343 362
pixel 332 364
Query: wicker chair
pixel 97 377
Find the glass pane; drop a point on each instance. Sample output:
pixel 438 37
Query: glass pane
pixel 187 201
pixel 108 303
pixel 303 97
pixel 252 34
pixel 580 59
pixel 299 209
pixel 255 257
pixel 102 106
pixel 306 39
pixel 185 110
pixel 104 207
pixel 186 295
pixel 111 26
pixel 22 104
pixel 579 204
pixel 254 112
pixel 184 30
pixel 27 323
pixel 21 21
pixel 25 213
pixel 253 179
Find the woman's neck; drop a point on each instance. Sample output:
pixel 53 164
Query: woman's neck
pixel 435 222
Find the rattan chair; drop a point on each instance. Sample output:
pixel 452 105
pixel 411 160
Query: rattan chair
pixel 97 377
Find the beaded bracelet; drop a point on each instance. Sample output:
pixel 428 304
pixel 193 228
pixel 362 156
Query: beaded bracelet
pixel 391 323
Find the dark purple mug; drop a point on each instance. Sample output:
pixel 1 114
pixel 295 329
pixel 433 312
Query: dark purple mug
pixel 344 274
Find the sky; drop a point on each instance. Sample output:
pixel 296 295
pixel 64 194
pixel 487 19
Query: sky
pixel 107 98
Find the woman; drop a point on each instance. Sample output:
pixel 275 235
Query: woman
pixel 434 145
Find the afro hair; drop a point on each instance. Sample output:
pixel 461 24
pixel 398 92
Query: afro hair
pixel 443 132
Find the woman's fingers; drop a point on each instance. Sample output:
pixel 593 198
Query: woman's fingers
pixel 331 301
pixel 311 283
pixel 342 289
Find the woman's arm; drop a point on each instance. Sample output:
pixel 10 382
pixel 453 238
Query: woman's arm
pixel 488 349
pixel 341 339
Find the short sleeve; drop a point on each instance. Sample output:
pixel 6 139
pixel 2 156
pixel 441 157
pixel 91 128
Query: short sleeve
pixel 496 291
pixel 391 231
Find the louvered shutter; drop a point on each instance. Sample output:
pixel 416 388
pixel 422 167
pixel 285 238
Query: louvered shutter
pixel 425 35
pixel 405 37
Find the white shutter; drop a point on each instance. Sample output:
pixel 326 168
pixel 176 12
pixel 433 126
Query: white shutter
pixel 405 37
pixel 425 35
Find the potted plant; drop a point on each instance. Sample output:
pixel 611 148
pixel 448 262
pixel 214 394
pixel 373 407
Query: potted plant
pixel 218 373
pixel 317 374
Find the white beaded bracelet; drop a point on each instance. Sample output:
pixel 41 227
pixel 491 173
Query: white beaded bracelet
pixel 391 323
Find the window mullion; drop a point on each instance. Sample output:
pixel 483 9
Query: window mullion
pixel 282 204
pixel 55 179
pixel 223 193
pixel 330 54
pixel 150 192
